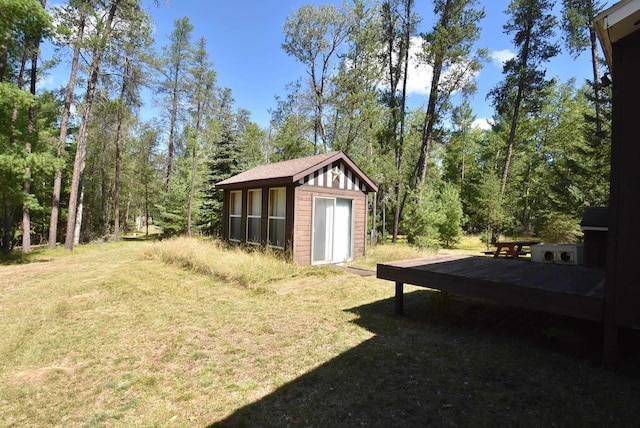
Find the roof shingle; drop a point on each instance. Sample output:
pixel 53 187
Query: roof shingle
pixel 291 170
pixel 283 169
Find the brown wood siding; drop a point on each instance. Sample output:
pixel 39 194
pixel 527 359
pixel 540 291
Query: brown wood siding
pixel 302 227
pixel 595 248
pixel 622 295
pixel 299 208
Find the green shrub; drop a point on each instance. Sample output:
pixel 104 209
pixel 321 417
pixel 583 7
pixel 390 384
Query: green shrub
pixel 559 228
pixel 434 216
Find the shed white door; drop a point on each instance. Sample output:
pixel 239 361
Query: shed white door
pixel 332 230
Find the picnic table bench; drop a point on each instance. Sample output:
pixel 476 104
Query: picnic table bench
pixel 512 249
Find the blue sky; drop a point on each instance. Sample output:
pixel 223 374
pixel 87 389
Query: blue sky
pixel 244 40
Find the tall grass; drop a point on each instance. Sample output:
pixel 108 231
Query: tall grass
pixel 246 267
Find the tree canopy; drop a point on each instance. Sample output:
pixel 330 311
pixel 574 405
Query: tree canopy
pixel 110 171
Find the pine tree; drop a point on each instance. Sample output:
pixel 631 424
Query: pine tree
pixel 104 28
pixel 533 29
pixel 175 86
pixel 450 229
pixel 23 24
pixel 80 22
pixel 448 49
pixel 223 162
pixel 398 26
pixel 201 107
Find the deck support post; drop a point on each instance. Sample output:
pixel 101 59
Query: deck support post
pixel 610 347
pixel 399 298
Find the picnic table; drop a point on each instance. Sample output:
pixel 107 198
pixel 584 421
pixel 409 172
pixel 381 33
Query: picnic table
pixel 512 249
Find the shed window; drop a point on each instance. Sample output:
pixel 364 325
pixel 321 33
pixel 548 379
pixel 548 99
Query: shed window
pixel 254 211
pixel 235 215
pixel 277 215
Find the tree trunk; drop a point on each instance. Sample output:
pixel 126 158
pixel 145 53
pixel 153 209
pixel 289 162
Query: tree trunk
pixel 26 186
pixel 194 169
pixel 116 191
pixel 597 87
pixel 403 101
pixel 125 228
pixel 64 125
pixel 81 152
pixel 510 143
pixel 102 224
pixel 31 133
pixel 192 189
pixel 146 210
pixel 78 226
pixel 172 131
pixel 429 122
pixel 516 113
pixel 384 222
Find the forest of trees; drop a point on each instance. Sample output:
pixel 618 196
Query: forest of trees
pixel 79 164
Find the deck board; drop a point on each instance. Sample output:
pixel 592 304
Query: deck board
pixel 575 291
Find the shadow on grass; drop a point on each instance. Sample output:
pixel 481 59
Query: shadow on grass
pixel 17 257
pixel 41 254
pixel 454 362
pixel 143 237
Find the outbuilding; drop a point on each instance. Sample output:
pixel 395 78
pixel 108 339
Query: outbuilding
pixel 313 207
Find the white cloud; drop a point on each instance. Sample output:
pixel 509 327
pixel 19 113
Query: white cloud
pixel 420 74
pixel 500 57
pixel 483 123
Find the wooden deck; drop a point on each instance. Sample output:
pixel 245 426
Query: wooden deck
pixel 575 291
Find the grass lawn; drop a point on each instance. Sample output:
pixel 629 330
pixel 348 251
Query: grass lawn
pixel 187 333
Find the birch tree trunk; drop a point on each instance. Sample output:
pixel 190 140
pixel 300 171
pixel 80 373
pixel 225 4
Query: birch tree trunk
pixel 75 221
pixel 64 125
pixel 116 191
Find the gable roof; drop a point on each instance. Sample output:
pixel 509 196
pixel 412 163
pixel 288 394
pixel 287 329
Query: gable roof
pixel 290 171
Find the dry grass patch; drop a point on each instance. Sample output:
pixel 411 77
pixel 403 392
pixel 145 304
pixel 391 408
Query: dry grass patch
pixel 112 336
pixel 191 333
pixel 387 252
pixel 390 252
pixel 232 264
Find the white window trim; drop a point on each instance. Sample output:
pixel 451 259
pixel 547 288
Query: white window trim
pixel 270 217
pixel 250 216
pixel 313 235
pixel 231 215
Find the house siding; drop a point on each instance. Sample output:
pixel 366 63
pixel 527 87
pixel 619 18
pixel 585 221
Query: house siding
pixel 303 224
pixel 622 292
pixel 335 176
